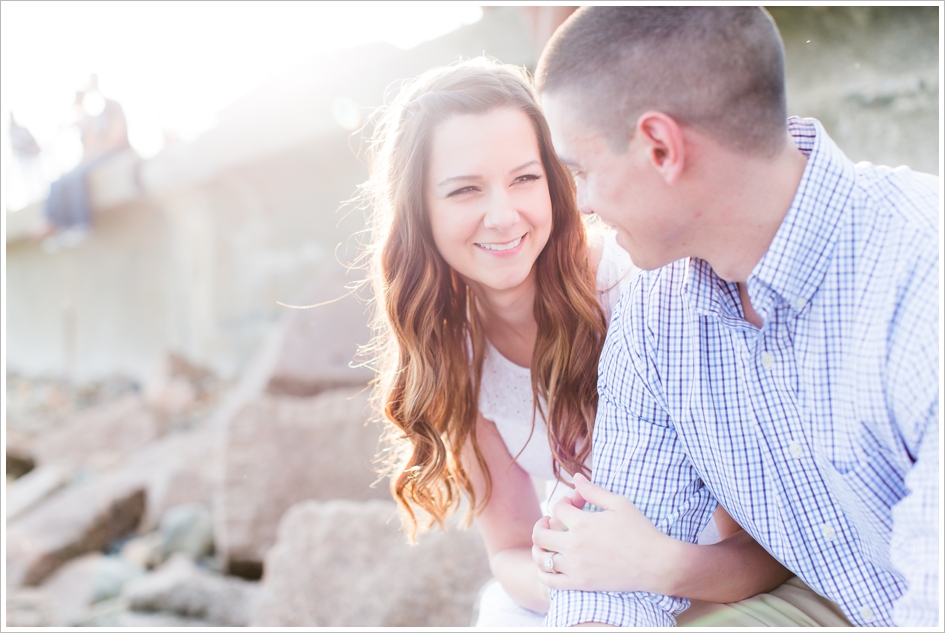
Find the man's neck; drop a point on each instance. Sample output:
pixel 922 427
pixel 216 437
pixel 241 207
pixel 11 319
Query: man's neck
pixel 749 200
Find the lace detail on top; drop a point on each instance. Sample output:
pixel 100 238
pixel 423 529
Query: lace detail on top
pixel 505 393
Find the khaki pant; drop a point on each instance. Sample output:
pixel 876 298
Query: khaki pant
pixel 792 604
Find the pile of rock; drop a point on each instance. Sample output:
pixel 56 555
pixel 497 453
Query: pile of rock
pixel 195 504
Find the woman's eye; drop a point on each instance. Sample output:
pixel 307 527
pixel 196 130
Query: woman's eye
pixel 528 177
pixel 460 191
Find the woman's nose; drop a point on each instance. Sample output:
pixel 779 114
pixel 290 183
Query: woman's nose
pixel 501 214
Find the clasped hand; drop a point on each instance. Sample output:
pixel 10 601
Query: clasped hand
pixel 616 549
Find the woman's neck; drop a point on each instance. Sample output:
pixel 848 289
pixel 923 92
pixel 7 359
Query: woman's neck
pixel 508 319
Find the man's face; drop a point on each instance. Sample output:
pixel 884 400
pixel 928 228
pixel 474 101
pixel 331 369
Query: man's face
pixel 622 188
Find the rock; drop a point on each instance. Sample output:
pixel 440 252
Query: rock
pixel 144 551
pixel 117 613
pixel 84 517
pixel 71 591
pixel 319 343
pixel 187 529
pixel 279 451
pixel 178 468
pixel 32 488
pixel 27 607
pixel 19 454
pixel 182 588
pixel 99 437
pixel 344 563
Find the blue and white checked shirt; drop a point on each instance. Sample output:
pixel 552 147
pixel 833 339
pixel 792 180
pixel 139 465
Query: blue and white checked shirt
pixel 819 432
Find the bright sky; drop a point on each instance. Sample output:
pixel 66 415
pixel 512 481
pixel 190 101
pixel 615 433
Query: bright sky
pixel 172 65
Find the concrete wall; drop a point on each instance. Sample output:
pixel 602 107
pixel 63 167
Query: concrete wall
pixel 195 259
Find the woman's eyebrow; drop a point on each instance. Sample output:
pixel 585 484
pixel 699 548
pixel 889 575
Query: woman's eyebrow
pixel 524 165
pixel 451 178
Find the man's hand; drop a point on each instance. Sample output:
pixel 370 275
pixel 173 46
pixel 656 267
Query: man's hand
pixel 616 549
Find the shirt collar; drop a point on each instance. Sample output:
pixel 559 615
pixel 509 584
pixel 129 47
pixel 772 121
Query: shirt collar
pixel 796 261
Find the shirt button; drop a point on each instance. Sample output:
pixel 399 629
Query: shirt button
pixel 796 449
pixel 828 532
pixel 767 359
pixel 867 614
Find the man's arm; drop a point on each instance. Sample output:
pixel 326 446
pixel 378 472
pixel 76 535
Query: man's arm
pixel 637 455
pixel 914 402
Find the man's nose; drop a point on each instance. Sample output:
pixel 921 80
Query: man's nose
pixel 501 214
pixel 583 202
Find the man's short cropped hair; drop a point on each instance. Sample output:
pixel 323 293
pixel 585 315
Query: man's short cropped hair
pixel 719 70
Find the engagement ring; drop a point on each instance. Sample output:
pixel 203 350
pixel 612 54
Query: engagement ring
pixel 550 563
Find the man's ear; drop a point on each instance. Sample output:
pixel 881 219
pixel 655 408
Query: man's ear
pixel 663 143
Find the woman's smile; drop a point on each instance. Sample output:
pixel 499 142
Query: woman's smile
pixel 503 249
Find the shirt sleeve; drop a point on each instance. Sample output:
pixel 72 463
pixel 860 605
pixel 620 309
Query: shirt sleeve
pixel 636 454
pixel 914 402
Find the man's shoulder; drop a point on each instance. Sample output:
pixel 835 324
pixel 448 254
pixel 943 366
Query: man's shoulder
pixel 655 299
pixel 908 200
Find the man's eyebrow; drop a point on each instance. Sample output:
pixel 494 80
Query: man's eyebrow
pixel 567 161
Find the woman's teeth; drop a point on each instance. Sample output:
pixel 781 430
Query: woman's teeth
pixel 502 247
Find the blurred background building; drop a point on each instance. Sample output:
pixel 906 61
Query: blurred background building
pixel 152 376
pixel 194 245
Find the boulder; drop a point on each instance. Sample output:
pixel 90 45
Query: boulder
pixel 182 588
pixel 99 437
pixel 69 593
pixel 33 487
pixel 19 453
pixel 187 529
pixel 85 517
pixel 143 551
pixel 344 563
pixel 319 343
pixel 278 451
pixel 117 614
pixel 178 468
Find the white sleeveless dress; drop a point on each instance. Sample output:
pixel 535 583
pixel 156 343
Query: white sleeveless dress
pixel 505 398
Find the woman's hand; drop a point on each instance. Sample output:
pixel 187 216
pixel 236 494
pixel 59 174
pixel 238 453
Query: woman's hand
pixel 617 549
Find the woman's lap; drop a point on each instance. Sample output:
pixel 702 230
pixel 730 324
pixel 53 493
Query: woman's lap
pixel 792 604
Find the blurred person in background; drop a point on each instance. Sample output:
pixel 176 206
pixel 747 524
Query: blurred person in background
pixel 25 182
pixel 104 134
pixel 492 308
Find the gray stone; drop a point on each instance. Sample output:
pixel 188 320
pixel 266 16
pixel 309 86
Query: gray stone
pixel 33 487
pixel 19 453
pixel 100 437
pixel 68 594
pixel 187 529
pixel 344 563
pixel 84 517
pixel 118 614
pixel 181 587
pixel 178 468
pixel 144 551
pixel 319 343
pixel 281 450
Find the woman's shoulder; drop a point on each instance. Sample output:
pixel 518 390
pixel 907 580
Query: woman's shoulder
pixel 615 271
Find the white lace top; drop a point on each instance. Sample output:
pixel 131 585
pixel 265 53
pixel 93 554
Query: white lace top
pixel 505 394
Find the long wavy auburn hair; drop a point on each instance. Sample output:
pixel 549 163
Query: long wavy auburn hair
pixel 428 343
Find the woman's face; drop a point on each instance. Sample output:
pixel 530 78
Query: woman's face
pixel 486 192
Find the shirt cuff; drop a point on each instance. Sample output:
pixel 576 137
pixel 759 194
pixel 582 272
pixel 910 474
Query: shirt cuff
pixel 569 608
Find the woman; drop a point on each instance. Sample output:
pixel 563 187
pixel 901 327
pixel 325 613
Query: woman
pixel 492 307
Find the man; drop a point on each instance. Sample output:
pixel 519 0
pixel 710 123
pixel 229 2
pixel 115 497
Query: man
pixel 780 357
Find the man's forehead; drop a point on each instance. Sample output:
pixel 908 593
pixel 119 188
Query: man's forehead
pixel 572 136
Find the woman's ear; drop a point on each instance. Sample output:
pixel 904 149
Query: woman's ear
pixel 662 140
